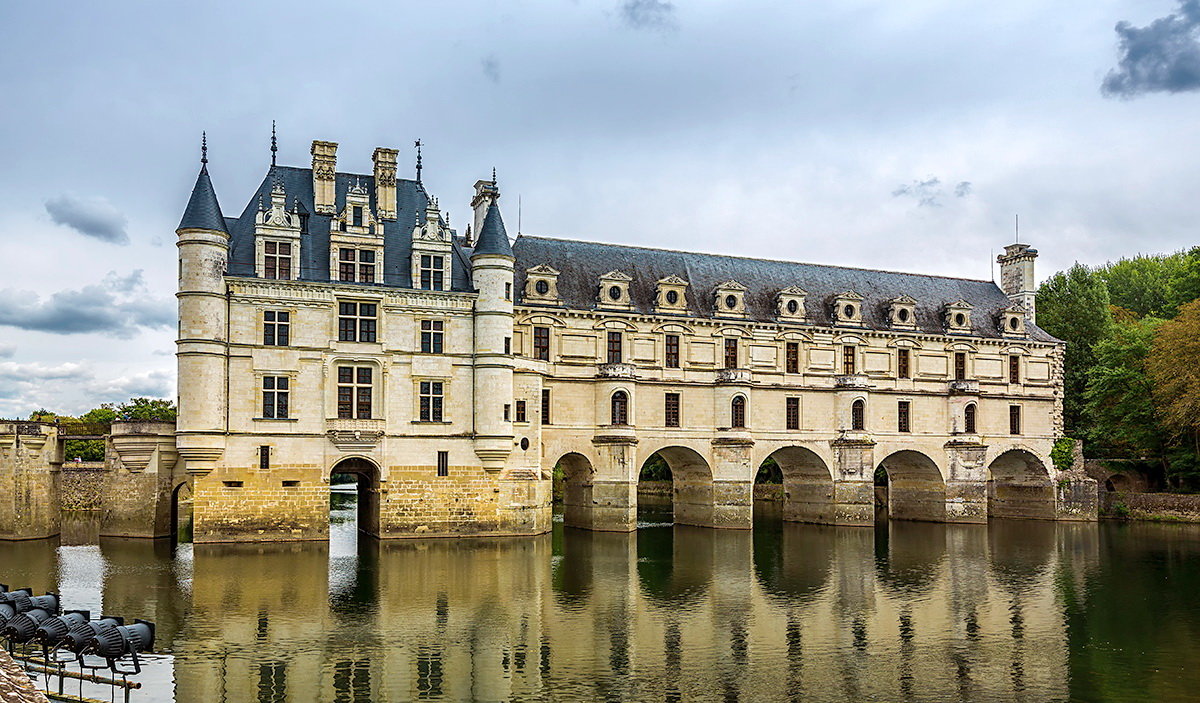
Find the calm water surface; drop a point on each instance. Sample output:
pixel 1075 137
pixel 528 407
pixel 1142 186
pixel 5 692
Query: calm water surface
pixel 1024 611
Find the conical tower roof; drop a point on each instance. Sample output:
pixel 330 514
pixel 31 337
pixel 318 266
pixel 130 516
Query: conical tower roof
pixel 203 211
pixel 492 237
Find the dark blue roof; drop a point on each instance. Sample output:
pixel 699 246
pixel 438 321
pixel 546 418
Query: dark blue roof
pixel 583 263
pixel 203 211
pixel 411 200
pixel 492 237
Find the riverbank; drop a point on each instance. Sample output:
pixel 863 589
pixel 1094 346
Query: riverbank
pixel 15 686
pixel 1154 507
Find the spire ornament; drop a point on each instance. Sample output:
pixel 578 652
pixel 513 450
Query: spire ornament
pixel 274 144
pixel 204 147
pixel 418 145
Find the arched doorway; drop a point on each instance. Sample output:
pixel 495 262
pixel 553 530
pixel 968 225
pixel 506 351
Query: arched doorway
pixel 575 472
pixel 909 486
pixel 181 513
pixel 691 485
pixel 354 488
pixel 655 492
pixel 806 486
pixel 1019 486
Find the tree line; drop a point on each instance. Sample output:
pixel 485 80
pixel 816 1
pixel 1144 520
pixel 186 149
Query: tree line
pixel 1132 367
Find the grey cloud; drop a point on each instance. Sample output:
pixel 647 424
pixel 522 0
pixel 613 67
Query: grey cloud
pixel 7 351
pixel 91 217
pixel 657 15
pixel 117 307
pixel 491 68
pixel 929 192
pixel 18 380
pixel 152 384
pixel 1162 57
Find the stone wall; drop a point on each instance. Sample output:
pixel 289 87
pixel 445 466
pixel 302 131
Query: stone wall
pixel 1170 507
pixel 29 480
pixel 662 489
pixel 81 485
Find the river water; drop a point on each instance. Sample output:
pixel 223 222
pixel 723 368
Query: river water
pixel 1011 611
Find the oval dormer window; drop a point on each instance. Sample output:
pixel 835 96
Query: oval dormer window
pixel 902 315
pixel 672 297
pixel 541 287
pixel 960 319
pixel 731 301
pixel 1013 323
pixel 792 307
pixel 848 311
pixel 614 292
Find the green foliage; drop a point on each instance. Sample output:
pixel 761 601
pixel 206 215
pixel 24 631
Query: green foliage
pixel 147 409
pixel 1144 285
pixel 1073 305
pixel 1063 454
pixel 1173 366
pixel 655 469
pixel 1120 510
pixel 1119 404
pixel 769 472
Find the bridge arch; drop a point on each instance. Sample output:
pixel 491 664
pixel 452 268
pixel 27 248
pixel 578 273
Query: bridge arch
pixel 577 473
pixel 1019 486
pixel 692 490
pixel 910 486
pixel 366 474
pixel 808 494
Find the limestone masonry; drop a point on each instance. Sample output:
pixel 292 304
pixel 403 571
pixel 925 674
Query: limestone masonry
pixel 339 325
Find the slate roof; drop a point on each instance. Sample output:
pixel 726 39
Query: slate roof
pixel 203 211
pixel 582 263
pixel 492 237
pixel 411 200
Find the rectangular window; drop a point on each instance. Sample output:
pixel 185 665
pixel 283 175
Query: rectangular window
pixel 903 416
pixel 354 391
pixel 356 322
pixel 1014 419
pixel 672 410
pixel 431 401
pixel 443 463
pixel 731 353
pixel 672 360
pixel 264 457
pixel 614 347
pixel 960 366
pixel 507 346
pixel 545 406
pixel 356 265
pixel 521 411
pixel 358 216
pixel 793 413
pixel 902 364
pixel 541 343
pixel 432 272
pixel 431 336
pixel 277 260
pixel 1014 368
pixel 792 357
pixel 276 328
pixel 507 412
pixel 849 367
pixel 275 397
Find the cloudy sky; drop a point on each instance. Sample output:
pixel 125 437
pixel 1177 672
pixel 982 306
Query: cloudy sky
pixel 900 135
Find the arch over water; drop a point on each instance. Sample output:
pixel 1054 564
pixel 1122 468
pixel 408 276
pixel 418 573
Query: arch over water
pixel 577 472
pixel 366 475
pixel 807 485
pixel 1019 486
pixel 692 496
pixel 914 486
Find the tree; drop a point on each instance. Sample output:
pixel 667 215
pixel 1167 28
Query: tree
pixel 1174 369
pixel 1119 403
pixel 1073 305
pixel 147 409
pixel 1143 284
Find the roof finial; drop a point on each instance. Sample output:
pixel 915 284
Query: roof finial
pixel 493 175
pixel 418 145
pixel 274 144
pixel 204 147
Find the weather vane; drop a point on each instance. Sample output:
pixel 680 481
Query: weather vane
pixel 418 145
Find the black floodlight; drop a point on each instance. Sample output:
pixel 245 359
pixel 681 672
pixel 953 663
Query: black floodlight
pixel 113 642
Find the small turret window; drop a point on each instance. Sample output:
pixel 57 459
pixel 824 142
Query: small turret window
pixel 542 287
pixel 969 419
pixel 672 297
pixel 614 292
pixel 731 301
pixel 737 413
pixel 960 319
pixel 792 307
pixel 848 311
pixel 902 314
pixel 620 408
pixel 1013 323
pixel 858 415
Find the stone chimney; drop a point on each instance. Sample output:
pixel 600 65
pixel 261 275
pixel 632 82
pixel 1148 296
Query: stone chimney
pixel 1016 276
pixel 486 193
pixel 324 170
pixel 385 182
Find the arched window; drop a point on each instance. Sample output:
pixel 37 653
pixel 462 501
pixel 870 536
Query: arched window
pixel 620 408
pixel 737 412
pixel 858 415
pixel 969 419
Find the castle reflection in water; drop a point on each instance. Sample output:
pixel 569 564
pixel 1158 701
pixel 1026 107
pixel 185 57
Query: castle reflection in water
pixel 908 612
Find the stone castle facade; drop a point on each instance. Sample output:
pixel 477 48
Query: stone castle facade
pixel 340 325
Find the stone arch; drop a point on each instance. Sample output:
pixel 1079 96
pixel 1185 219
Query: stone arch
pixel 1019 486
pixel 807 485
pixel 913 487
pixel 578 472
pixel 692 490
pixel 182 492
pixel 366 473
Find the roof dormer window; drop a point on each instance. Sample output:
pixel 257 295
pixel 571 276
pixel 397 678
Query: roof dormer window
pixel 729 299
